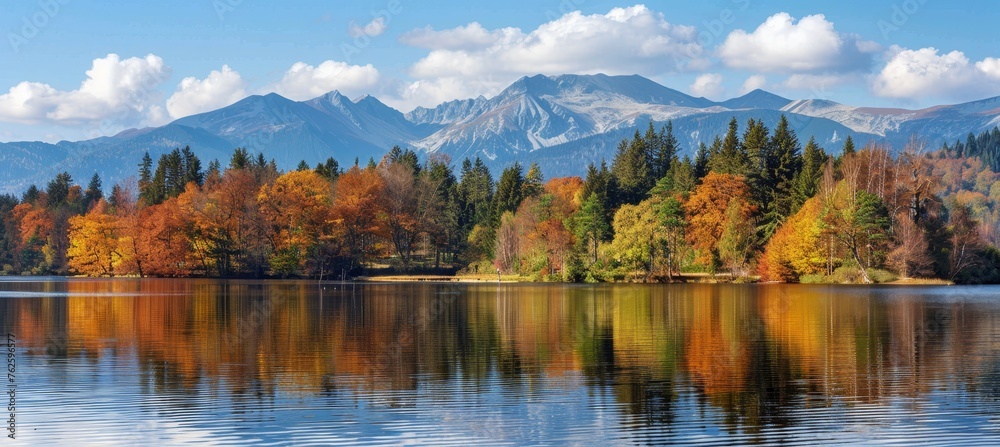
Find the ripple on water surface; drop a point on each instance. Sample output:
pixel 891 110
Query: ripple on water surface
pixel 289 363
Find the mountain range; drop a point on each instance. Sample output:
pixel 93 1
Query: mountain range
pixel 562 122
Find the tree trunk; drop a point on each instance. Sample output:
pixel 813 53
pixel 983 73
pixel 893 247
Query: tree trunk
pixel 829 256
pixel 864 272
pixel 595 250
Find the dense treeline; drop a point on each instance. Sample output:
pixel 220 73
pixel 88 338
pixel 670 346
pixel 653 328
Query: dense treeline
pixel 985 146
pixel 751 203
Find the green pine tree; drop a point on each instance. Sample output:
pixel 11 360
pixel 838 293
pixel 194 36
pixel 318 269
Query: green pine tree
pixel 601 182
pixel 192 167
pixel 806 182
pixel 146 179
pixel 760 153
pixel 631 171
pixel 785 165
pixel 591 226
pixel 329 169
pixel 701 159
pixel 848 146
pixel 93 193
pixel 58 190
pixel 533 181
pixel 730 157
pixel 240 159
pixel 510 191
pixel 475 194
pixel 666 151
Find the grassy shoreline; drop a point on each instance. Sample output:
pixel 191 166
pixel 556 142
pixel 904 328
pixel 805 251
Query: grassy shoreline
pixel 921 282
pixel 442 278
pixel 697 278
pixel 687 278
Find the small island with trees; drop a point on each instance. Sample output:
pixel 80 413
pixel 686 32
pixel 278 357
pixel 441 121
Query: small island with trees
pixel 752 205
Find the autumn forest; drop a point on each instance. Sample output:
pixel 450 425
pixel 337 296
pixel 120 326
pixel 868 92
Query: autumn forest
pixel 755 204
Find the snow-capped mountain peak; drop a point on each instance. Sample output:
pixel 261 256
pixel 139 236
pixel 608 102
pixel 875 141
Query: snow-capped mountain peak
pixel 564 122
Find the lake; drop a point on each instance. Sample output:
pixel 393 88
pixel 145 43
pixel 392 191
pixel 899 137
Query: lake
pixel 212 362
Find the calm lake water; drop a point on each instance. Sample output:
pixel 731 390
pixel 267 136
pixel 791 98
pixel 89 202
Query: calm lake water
pixel 205 362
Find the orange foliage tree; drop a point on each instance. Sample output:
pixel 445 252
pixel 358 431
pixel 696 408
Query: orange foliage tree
pixel 297 207
pixel 355 209
pixel 553 210
pixel 536 240
pixel 164 246
pixel 706 213
pixel 402 202
pixel 558 241
pixel 36 226
pixel 33 221
pixel 226 226
pixel 125 207
pixel 566 194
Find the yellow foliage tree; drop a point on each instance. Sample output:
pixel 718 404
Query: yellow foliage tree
pixel 93 242
pixel 797 247
pixel 636 235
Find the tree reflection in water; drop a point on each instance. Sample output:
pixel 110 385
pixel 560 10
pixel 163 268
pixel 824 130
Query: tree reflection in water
pixel 761 356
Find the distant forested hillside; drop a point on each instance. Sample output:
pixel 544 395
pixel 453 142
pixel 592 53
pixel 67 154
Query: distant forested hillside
pixel 754 203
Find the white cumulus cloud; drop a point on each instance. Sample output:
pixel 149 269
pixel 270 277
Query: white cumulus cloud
pixel 431 92
pixel 925 73
pixel 990 67
pixel 470 37
pixel 464 60
pixel 753 82
pixel 115 92
pixel 219 89
pixel 28 102
pixel 626 40
pixel 782 45
pixel 374 28
pixel 707 85
pixel 303 81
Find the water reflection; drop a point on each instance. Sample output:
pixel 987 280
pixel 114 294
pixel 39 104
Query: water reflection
pixel 693 363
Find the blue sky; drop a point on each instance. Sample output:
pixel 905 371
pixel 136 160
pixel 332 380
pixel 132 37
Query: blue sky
pixel 75 69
